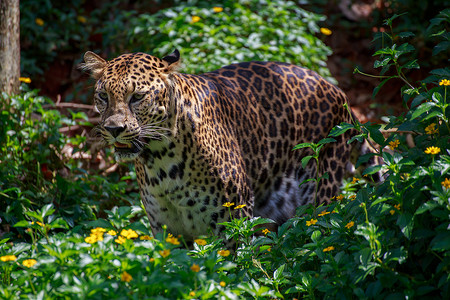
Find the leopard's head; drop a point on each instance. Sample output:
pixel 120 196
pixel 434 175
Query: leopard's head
pixel 132 94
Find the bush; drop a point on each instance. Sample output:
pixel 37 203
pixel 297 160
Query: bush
pixel 386 240
pixel 35 171
pixel 210 37
pixel 51 28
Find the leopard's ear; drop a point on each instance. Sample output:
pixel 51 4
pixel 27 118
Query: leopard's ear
pixel 93 64
pixel 172 60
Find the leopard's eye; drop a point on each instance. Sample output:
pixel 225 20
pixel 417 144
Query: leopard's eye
pixel 103 96
pixel 136 97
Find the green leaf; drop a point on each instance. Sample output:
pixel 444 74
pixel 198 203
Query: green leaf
pixel 412 65
pixel 375 134
pixel 432 115
pixel 442 46
pixel 278 274
pixel 326 141
pixel 22 223
pixel 99 223
pixel 316 235
pixel 424 107
pixel 381 63
pixel 303 145
pixel 441 242
pixel 386 51
pixel 359 137
pixel 406 34
pixel 388 21
pixel 307 180
pixel 441 72
pixel 340 129
pixel 426 207
pixel 406 223
pixel 324 176
pixel 372 170
pixel 437 97
pixel 305 160
pixel 379 200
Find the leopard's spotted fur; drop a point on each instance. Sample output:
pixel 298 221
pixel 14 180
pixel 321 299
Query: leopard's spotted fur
pixel 199 141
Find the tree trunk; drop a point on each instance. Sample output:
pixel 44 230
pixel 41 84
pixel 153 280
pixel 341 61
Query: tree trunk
pixel 9 46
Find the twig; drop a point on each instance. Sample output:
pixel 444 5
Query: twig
pixel 70 105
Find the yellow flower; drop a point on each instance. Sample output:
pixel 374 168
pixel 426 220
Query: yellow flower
pixel 39 22
pixel 405 176
pixel 91 239
pixel 195 268
pixel 446 183
pixel 444 82
pixel 325 31
pixel 269 249
pixel 431 129
pixel 266 231
pixel 151 260
pixel 228 204
pixel 29 262
pixel 195 19
pixel 394 144
pixel 200 242
pixel 164 253
pixel 129 233
pixel 145 238
pixel 25 79
pixel 323 213
pixel 222 284
pixel 96 235
pixel 350 225
pixel 8 258
pixel 98 230
pixel 120 240
pixel 352 197
pixel 340 197
pixel 240 206
pixel 311 222
pixel 192 294
pixel 397 206
pixel 327 249
pixel 355 180
pixel 126 277
pixel 217 9
pixel 392 211
pixel 112 232
pixel 432 150
pixel 81 19
pixel 172 240
pixel 223 253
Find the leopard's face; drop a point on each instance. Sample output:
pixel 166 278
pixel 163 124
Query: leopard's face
pixel 131 95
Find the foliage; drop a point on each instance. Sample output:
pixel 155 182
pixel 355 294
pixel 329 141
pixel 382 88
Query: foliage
pixel 376 240
pixel 210 37
pixel 37 167
pixel 49 28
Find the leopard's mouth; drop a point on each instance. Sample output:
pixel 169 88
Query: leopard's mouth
pixel 122 146
pixel 126 148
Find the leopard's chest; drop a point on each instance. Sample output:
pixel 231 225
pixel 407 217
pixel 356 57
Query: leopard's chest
pixel 178 189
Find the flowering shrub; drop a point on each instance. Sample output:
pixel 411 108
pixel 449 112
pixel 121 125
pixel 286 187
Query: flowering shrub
pixel 210 36
pixel 389 239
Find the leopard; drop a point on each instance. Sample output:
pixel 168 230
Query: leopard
pixel 202 143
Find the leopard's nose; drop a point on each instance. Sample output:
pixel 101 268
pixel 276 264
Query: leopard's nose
pixel 115 130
